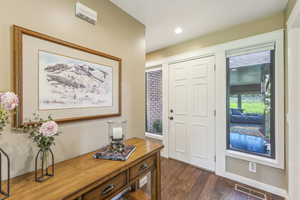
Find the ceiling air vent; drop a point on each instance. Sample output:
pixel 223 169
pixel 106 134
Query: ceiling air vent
pixel 86 13
pixel 251 192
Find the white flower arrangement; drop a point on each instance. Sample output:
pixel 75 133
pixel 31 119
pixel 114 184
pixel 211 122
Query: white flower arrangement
pixel 8 102
pixel 42 131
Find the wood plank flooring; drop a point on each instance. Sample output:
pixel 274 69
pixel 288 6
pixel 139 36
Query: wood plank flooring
pixel 181 181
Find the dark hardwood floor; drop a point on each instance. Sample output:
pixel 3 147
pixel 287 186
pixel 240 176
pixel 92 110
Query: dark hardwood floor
pixel 181 181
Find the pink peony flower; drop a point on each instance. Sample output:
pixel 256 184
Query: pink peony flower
pixel 9 101
pixel 49 128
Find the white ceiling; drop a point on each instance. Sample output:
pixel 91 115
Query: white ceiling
pixel 195 17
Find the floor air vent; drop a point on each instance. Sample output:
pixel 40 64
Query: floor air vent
pixel 251 192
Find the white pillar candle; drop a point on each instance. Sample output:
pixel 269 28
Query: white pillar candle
pixel 117 133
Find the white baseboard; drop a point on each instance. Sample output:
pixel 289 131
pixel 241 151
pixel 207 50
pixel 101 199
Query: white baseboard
pixel 164 155
pixel 256 184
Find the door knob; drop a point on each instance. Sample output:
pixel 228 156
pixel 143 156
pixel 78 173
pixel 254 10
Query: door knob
pixel 171 118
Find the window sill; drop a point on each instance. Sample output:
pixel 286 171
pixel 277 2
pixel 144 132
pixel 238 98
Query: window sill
pixel 254 158
pixel 154 136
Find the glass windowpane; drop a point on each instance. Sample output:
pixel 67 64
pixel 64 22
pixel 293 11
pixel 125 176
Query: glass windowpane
pixel 250 110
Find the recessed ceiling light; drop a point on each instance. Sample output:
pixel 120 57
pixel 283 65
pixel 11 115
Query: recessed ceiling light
pixel 178 30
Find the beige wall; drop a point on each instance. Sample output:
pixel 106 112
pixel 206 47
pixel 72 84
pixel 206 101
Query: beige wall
pixel 116 33
pixel 233 33
pixel 265 174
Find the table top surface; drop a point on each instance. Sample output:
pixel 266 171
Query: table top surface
pixel 78 174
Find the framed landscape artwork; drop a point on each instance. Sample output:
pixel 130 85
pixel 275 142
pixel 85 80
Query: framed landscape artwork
pixel 65 80
pixel 71 83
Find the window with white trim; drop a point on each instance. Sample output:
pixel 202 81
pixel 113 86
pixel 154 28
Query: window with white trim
pixel 251 100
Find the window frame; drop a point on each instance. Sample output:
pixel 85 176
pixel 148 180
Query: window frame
pixel 277 37
pixel 148 134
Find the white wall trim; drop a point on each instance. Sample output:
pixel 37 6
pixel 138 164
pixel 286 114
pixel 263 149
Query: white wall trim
pixel 153 69
pixel 165 92
pixel 293 49
pixel 154 136
pixel 256 184
pixel 252 158
pixel 154 64
pixel 293 43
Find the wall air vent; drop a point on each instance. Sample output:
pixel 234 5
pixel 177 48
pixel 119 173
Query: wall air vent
pixel 251 192
pixel 86 13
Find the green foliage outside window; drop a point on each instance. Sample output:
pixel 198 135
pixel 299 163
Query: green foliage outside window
pixel 157 126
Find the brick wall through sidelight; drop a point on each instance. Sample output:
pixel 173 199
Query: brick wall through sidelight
pixel 154 102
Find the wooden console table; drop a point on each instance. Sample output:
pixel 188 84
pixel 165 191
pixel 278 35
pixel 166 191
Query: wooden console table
pixel 86 178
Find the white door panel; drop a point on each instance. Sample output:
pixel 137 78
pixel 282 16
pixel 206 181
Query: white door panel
pixel 180 98
pixel 199 94
pixel 191 99
pixel 198 133
pixel 180 137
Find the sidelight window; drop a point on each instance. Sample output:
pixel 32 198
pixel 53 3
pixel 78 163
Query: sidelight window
pixel 154 108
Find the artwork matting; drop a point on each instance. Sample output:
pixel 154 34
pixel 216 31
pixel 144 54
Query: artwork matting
pixel 27 47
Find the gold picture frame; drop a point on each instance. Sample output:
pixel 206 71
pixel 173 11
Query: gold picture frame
pixel 19 68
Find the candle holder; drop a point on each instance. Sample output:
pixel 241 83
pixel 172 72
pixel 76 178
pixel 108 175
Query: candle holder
pixel 6 193
pixel 117 135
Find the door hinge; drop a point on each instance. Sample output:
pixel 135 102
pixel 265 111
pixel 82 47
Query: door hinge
pixel 215 113
pixel 214 67
pixel 215 158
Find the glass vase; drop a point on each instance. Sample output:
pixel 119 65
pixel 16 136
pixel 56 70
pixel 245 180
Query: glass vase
pixel 44 165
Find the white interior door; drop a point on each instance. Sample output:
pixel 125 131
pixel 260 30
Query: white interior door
pixel 191 111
